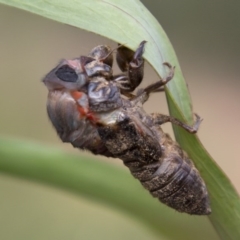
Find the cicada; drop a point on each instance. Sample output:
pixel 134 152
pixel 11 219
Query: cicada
pixel 95 110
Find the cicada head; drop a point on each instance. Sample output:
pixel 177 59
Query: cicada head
pixel 69 74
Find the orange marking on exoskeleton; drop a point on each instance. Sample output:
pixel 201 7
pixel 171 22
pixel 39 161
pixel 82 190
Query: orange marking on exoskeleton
pixel 81 109
pixel 92 117
pixel 76 94
pixel 84 111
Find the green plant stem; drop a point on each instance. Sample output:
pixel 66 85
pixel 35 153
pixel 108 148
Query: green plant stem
pixel 95 180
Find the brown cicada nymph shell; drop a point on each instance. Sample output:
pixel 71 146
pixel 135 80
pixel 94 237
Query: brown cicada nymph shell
pixel 94 109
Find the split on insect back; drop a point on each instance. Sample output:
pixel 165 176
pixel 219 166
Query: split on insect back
pixel 94 109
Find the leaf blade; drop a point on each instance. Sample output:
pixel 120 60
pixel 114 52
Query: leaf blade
pixel 122 22
pixel 98 181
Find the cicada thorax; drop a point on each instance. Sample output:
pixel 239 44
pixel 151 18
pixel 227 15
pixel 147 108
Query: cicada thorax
pixel 158 162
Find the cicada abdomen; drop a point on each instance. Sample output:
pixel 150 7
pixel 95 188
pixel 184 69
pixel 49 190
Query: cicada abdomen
pixel 173 179
pixel 158 162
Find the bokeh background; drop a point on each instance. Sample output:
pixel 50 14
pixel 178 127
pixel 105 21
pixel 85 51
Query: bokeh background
pixel 206 38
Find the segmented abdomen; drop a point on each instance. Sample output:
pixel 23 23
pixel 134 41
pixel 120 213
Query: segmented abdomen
pixel 162 167
pixel 173 179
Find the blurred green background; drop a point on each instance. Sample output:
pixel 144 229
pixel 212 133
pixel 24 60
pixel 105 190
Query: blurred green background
pixel 206 37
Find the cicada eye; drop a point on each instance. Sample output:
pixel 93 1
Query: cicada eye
pixel 67 74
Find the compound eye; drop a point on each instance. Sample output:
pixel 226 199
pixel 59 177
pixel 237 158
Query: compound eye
pixel 66 74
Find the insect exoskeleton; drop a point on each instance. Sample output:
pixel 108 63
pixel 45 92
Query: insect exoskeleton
pixel 95 110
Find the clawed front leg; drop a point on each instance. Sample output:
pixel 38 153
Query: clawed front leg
pixel 143 94
pixel 157 86
pixel 132 65
pixel 161 118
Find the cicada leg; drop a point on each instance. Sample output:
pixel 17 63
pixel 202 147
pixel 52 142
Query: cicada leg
pixel 161 119
pixel 143 94
pixel 132 65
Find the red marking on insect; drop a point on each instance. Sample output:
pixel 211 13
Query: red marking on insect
pixel 77 95
pixel 91 117
pixel 82 106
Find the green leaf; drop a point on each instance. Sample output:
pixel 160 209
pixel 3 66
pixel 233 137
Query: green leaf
pixel 126 22
pixel 99 181
pixel 129 22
